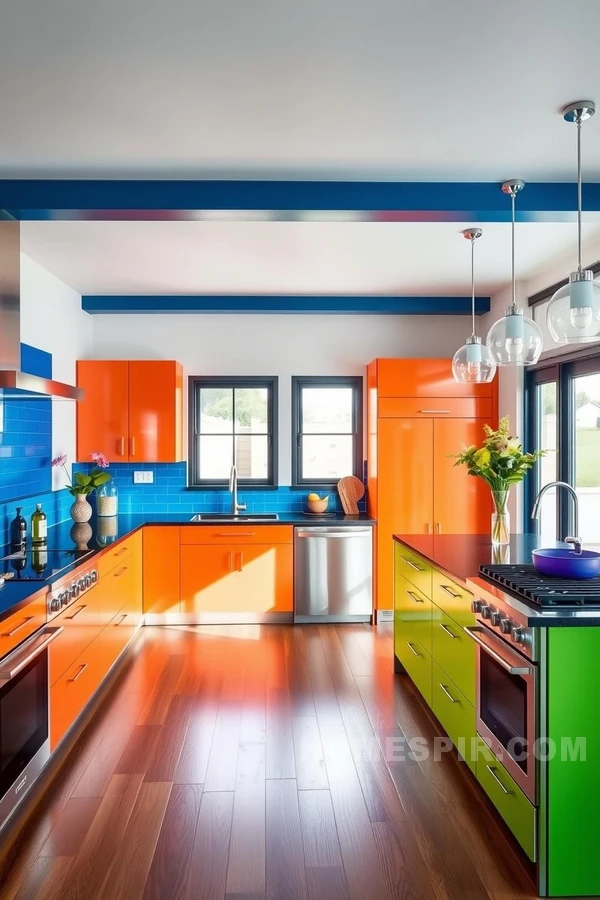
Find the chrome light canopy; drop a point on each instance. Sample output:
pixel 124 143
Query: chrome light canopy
pixel 473 364
pixel 573 314
pixel 515 339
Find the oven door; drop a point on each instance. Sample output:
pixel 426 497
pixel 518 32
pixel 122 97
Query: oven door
pixel 24 740
pixel 506 705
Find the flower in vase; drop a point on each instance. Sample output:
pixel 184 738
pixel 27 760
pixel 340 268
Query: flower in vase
pixel 100 459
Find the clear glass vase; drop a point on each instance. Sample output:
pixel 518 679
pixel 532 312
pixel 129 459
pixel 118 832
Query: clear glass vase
pixel 500 519
pixel 107 499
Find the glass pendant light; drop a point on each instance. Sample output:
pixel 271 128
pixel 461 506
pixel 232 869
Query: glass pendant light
pixel 473 363
pixel 515 339
pixel 574 311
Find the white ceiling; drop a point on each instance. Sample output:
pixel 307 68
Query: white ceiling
pixel 407 89
pixel 292 257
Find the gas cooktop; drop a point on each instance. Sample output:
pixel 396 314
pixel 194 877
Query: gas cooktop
pixel 40 563
pixel 525 582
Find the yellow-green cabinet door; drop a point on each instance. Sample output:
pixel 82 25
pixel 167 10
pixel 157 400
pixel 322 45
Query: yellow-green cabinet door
pixel 412 612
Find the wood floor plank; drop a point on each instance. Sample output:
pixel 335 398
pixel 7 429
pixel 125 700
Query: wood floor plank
pixel 171 861
pixel 251 765
pixel 286 875
pixel 166 752
pixel 319 831
pixel 207 874
pixel 328 884
pixel 279 736
pixel 104 839
pixel 195 751
pixel 157 705
pixel 57 878
pixel 308 754
pixel 222 760
pixel 138 749
pixel 246 866
pixel 68 834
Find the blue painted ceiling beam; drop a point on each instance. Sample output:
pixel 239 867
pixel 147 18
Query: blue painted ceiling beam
pixel 286 303
pixel 359 200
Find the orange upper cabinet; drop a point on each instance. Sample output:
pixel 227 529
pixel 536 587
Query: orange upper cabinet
pixel 102 416
pixel 131 411
pixel 462 504
pixel 424 378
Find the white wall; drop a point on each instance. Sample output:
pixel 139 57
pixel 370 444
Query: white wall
pixel 276 345
pixel 52 320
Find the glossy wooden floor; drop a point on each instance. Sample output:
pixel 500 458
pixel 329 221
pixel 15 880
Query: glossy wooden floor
pixel 243 762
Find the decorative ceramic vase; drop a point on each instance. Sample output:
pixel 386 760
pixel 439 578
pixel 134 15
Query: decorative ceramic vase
pixel 81 511
pixel 107 500
pixel 81 534
pixel 500 519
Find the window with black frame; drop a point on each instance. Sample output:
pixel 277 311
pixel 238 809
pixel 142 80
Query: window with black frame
pixel 232 420
pixel 327 429
pixel 563 399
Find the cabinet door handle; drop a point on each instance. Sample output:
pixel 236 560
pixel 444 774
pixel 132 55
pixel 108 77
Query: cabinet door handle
pixel 121 552
pixel 448 694
pixel 121 620
pixel 120 572
pixel 496 779
pixel 429 528
pixel 448 590
pixel 79 672
pixel 230 562
pixel 414 597
pixel 132 442
pixel 413 565
pixel 19 626
pixel 447 631
pixel 439 527
pixel 412 649
pixel 121 450
pixel 237 534
pixel 77 611
pixel 435 412
pixel 241 562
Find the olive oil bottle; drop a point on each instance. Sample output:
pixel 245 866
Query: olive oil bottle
pixel 39 526
pixel 18 530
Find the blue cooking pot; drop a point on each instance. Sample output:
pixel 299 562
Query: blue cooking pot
pixel 559 563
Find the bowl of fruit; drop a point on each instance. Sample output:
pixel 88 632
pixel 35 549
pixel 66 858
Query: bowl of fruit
pixel 317 504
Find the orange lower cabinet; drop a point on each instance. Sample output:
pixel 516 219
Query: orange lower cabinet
pixel 161 589
pixel 115 637
pixel 81 624
pixel 207 578
pixel 264 578
pixel 16 628
pixel 69 695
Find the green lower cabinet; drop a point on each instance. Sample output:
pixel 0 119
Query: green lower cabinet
pixel 412 612
pixel 508 798
pixel 455 713
pixel 417 662
pixel 454 651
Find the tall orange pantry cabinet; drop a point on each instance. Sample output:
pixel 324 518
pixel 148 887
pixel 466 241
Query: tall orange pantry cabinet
pixel 131 410
pixel 417 416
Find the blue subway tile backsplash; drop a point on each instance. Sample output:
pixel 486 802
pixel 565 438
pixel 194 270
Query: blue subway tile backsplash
pixel 168 493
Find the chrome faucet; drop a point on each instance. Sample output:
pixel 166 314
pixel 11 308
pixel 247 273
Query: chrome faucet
pixel 233 487
pixel 535 512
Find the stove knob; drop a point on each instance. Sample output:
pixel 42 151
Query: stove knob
pixel 506 626
pixel 54 604
pixel 496 618
pixel 81 584
pixel 517 634
pixel 88 581
pixel 94 576
pixel 74 592
pixel 476 606
pixel 64 598
pixel 486 611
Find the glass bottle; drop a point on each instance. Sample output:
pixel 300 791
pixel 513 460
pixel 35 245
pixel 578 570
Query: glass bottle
pixel 107 500
pixel 39 526
pixel 18 530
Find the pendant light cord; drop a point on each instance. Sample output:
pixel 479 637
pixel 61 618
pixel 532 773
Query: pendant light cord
pixel 512 248
pixel 579 194
pixel 473 285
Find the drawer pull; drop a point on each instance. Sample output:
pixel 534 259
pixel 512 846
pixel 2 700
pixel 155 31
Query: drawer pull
pixel 121 552
pixel 438 412
pixel 447 631
pixel 448 694
pixel 79 672
pixel 412 649
pixel 240 565
pixel 496 779
pixel 122 619
pixel 19 626
pixel 413 565
pixel 237 534
pixel 414 597
pixel 120 572
pixel 77 611
pixel 452 593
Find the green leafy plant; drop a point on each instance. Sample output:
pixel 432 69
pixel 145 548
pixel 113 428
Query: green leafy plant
pixel 85 483
pixel 500 460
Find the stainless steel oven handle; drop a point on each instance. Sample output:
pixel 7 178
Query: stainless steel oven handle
pixel 473 633
pixel 496 779
pixel 16 662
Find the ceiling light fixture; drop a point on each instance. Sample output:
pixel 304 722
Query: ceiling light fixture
pixel 515 339
pixel 473 363
pixel 574 311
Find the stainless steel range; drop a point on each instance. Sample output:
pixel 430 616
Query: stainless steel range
pixel 71 587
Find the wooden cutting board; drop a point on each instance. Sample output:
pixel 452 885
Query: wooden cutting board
pixel 351 490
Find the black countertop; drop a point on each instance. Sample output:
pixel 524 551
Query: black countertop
pixel 460 555
pixel 105 532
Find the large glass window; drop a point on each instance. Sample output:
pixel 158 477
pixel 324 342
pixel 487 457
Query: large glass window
pixel 232 421
pixel 327 423
pixel 564 418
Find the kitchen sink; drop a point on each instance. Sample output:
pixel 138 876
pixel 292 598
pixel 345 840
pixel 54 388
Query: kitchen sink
pixel 227 517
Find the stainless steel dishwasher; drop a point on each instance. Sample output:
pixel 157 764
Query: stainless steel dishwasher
pixel 333 574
